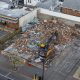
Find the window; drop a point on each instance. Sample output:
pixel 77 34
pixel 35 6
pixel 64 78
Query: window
pixel 29 1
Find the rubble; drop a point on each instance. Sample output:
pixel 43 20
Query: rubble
pixel 28 43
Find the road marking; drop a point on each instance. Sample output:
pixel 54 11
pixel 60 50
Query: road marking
pixel 6 76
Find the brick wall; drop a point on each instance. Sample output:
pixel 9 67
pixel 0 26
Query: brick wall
pixel 13 25
pixel 70 11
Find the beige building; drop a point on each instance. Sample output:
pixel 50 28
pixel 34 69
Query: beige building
pixel 17 18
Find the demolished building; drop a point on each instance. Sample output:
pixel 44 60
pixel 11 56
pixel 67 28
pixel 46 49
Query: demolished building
pixel 27 45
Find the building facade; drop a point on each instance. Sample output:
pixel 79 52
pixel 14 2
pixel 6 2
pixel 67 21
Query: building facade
pixel 26 2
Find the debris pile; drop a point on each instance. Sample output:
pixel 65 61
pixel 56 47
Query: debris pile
pixel 41 32
pixel 28 43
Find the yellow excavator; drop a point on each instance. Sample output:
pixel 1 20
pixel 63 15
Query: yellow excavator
pixel 44 51
pixel 44 48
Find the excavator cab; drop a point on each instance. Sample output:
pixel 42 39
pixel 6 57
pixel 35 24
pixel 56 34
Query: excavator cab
pixel 45 51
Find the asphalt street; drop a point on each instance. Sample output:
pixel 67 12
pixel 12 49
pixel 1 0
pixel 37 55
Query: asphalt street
pixel 30 71
pixel 3 78
pixel 6 73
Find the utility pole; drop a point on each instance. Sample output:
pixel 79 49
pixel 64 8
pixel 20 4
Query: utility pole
pixel 43 69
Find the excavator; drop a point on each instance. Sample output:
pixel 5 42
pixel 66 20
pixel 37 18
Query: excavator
pixel 44 51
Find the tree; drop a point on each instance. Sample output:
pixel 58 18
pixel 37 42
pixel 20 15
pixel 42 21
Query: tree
pixel 15 60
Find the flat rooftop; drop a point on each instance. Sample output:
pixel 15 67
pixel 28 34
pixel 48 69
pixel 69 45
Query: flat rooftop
pixel 72 4
pixel 16 13
pixel 3 5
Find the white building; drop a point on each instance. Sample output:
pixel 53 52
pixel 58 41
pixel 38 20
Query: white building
pixel 27 2
pixel 31 2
